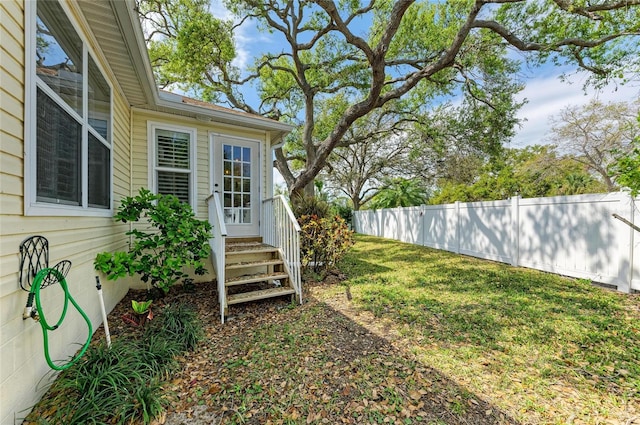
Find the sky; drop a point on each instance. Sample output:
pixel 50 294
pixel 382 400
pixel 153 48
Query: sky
pixel 547 95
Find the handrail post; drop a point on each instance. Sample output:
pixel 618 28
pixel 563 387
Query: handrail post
pixel 217 244
pixel 283 231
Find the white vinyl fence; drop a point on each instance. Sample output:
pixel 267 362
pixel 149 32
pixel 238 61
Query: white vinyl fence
pixel 575 236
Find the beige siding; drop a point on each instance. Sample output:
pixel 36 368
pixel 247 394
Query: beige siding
pixel 78 239
pixel 140 143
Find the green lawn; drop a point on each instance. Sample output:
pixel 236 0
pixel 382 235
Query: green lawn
pixel 543 348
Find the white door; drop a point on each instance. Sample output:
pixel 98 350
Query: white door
pixel 237 179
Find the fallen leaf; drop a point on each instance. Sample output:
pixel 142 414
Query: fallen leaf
pixel 415 395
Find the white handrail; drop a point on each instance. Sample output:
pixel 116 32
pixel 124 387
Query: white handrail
pixel 217 244
pixel 281 229
pixel 287 209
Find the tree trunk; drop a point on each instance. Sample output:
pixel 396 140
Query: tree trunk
pixel 356 203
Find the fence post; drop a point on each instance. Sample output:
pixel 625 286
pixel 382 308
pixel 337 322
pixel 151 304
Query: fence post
pixel 625 269
pixel 399 217
pixel 423 210
pixel 635 244
pixel 458 232
pixel 515 230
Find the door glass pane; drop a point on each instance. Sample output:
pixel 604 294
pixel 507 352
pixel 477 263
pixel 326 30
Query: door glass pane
pixel 228 216
pixel 237 183
pixel 59 54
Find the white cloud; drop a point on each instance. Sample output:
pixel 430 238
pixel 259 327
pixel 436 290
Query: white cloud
pixel 548 95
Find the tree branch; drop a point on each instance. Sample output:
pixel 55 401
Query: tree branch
pixel 520 44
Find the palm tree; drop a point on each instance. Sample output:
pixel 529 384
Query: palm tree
pixel 400 192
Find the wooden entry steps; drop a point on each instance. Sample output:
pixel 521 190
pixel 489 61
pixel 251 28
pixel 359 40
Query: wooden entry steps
pixel 254 271
pixel 261 294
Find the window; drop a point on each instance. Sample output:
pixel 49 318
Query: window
pixel 70 143
pixel 172 167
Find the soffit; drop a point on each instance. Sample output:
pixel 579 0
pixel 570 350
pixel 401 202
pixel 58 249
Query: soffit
pixel 116 36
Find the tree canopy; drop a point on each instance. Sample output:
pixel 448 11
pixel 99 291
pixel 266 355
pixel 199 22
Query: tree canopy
pixel 626 167
pixel 534 171
pixel 400 192
pixel 596 134
pixel 365 55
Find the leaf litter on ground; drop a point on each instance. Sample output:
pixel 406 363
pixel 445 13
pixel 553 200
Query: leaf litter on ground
pixel 361 351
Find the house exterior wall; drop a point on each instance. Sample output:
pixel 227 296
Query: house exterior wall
pixel 141 118
pixel 23 366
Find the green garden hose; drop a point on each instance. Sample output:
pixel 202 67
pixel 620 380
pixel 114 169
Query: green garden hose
pixel 35 292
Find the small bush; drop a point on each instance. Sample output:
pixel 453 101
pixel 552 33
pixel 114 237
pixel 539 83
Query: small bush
pixel 117 385
pixel 344 211
pixel 310 206
pixel 179 322
pixel 174 240
pixel 324 241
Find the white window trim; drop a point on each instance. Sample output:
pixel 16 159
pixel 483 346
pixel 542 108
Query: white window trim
pixel 31 206
pixel 152 126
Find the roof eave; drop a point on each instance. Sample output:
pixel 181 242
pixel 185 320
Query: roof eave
pixel 125 11
pixel 230 117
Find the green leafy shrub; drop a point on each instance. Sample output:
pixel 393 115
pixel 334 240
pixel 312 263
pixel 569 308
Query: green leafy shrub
pixel 343 210
pixel 324 241
pixel 310 206
pixel 173 240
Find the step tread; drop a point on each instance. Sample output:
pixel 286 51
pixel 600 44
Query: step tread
pixel 254 264
pixel 259 295
pixel 253 278
pixel 236 249
pixel 243 239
